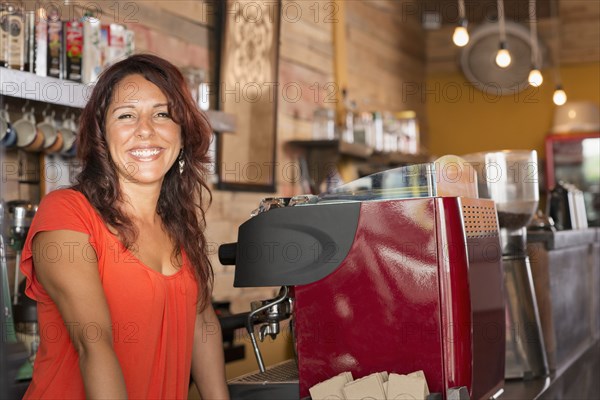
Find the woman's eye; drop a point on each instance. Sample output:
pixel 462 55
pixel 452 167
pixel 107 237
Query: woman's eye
pixel 163 115
pixel 125 116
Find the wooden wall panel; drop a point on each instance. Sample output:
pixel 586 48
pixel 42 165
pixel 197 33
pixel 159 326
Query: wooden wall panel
pixel 580 31
pixel 306 80
pixel 386 53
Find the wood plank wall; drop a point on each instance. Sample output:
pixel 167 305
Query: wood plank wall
pixel 306 79
pixel 385 53
pixel 386 49
pixel 579 31
pixel 386 57
pixel 578 40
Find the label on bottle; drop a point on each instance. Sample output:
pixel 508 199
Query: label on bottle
pixel 74 49
pixel 55 49
pixel 3 33
pixel 16 42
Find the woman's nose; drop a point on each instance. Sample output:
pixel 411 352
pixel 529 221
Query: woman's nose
pixel 144 128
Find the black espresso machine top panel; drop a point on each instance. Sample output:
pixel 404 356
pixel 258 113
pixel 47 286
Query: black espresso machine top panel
pixel 294 245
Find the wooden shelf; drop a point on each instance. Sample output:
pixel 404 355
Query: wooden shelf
pixel 29 86
pixel 360 151
pixel 399 158
pixel 319 156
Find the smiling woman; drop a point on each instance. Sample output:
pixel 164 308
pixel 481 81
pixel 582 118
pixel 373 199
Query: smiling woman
pixel 132 280
pixel 143 140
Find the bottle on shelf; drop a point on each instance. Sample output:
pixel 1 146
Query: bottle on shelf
pixel 55 48
pixel 347 118
pixel 363 127
pixel 74 42
pixel 15 45
pixel 408 132
pixel 41 43
pixel 92 49
pixel 3 33
pixel 29 43
pixel 377 132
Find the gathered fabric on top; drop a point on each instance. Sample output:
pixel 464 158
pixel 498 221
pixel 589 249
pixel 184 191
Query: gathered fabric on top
pixel 153 315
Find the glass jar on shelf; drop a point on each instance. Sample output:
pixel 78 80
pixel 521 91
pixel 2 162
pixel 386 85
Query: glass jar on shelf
pixel 323 124
pixel 408 134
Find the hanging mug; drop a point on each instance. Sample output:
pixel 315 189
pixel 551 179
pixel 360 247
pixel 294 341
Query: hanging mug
pixel 29 138
pixel 68 131
pixel 53 140
pixel 8 136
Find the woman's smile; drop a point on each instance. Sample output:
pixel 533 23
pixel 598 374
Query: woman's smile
pixel 146 154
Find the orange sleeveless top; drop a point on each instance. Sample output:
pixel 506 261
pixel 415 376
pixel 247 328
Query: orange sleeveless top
pixel 153 315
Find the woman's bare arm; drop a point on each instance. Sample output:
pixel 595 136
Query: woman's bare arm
pixel 72 280
pixel 208 363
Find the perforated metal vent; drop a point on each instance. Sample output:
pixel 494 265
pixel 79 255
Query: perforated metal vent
pixel 284 372
pixel 480 219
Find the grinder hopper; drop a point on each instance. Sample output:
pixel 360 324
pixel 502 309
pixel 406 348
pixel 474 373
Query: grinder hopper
pixel 510 178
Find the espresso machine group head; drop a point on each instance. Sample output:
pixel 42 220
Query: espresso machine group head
pixel 398 271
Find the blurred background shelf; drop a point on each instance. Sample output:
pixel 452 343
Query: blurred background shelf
pixel 61 92
pixel 321 159
pixel 358 151
pixel 29 86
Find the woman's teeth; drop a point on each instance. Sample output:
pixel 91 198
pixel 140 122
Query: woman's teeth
pixel 145 153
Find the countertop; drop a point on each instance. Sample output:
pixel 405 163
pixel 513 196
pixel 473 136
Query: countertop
pixel 579 379
pixel 563 239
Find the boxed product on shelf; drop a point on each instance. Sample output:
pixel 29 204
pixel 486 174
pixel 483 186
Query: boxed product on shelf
pixel 73 31
pixel 116 43
pixel 77 49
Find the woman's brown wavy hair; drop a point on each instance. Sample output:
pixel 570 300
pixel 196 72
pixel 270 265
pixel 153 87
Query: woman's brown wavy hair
pixel 181 204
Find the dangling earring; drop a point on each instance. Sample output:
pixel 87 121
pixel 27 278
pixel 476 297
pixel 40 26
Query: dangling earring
pixel 181 162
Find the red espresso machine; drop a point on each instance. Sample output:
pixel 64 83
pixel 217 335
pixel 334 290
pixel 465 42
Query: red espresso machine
pixel 398 271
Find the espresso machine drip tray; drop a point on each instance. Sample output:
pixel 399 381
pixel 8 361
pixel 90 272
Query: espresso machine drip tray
pixel 283 372
pixel 279 382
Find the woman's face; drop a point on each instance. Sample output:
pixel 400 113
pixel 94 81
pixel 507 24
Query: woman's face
pixel 143 140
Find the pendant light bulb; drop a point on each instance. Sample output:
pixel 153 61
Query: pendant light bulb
pixel 560 97
pixel 461 35
pixel 535 77
pixel 503 58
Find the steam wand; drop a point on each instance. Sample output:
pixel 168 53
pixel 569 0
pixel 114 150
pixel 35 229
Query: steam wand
pixel 250 325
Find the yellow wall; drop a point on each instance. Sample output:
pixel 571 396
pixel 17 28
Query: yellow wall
pixel 463 120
